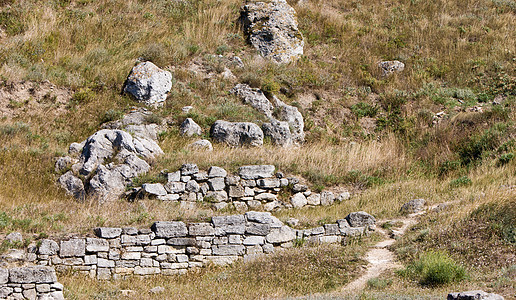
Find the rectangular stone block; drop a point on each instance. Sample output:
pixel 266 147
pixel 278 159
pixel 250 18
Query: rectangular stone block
pixel 257 229
pixel 202 229
pixel 105 263
pixel 97 245
pixel 169 229
pixel 254 240
pixel 182 242
pixel 32 275
pixel 331 229
pixel 4 275
pixel 108 232
pixel 236 191
pixel 128 240
pixel 268 183
pixel 219 221
pixel 131 255
pixel 146 271
pixel 73 247
pixel 256 171
pixel 227 250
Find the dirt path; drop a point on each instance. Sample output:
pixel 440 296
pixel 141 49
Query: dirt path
pixel 379 257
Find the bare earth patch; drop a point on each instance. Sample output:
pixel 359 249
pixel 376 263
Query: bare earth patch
pixel 32 98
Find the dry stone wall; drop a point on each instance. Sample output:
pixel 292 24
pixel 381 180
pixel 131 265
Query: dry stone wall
pixel 34 282
pixel 256 187
pixel 173 247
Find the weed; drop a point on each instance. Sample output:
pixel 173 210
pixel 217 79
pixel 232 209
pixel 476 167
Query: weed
pixel 362 109
pixel 378 283
pixel 434 268
pixel 462 181
pixel 504 159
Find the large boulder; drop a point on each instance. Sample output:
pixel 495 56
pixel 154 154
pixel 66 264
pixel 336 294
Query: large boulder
pixel 272 29
pixel 237 134
pixel 106 143
pixel 111 158
pixel 148 84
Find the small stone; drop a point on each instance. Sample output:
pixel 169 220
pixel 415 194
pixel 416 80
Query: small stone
pixel 413 206
pixel 190 128
pixel 201 145
pixel 314 199
pixel 298 200
pixel 327 198
pixel 186 109
pixel 217 184
pixel 189 169
pixel 73 247
pixel 192 186
pixel 157 290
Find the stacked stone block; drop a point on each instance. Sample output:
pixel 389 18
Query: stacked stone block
pixel 173 247
pixel 34 282
pixel 256 187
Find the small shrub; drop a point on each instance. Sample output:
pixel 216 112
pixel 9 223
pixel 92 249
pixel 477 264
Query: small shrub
pixel 462 181
pixel 504 159
pixel 298 243
pixel 111 115
pixel 362 109
pixel 82 96
pixel 435 268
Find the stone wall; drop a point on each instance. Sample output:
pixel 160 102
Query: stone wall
pixel 174 247
pixel 34 282
pixel 256 187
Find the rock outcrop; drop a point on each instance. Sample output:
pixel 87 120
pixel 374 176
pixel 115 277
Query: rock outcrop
pixel 237 134
pixel 148 84
pixel 272 29
pixel 286 123
pixel 110 158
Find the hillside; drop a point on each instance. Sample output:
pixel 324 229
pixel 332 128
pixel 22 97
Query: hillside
pixel 442 129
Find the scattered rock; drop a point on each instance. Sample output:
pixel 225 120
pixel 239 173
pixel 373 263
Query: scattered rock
pixel 201 145
pixel 272 29
pixel 390 67
pixel 343 196
pixel 149 84
pixel 62 163
pixel 474 295
pixel 187 109
pixel 14 237
pixel 286 126
pixel 190 128
pixel 237 134
pixel 157 290
pixel 413 206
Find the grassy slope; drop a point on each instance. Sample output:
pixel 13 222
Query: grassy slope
pixel 457 53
